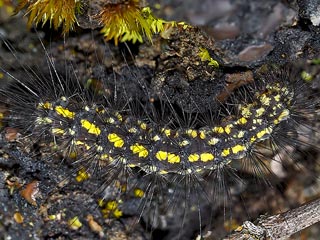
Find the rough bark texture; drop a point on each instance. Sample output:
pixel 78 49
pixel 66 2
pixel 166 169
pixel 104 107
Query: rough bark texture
pixel 280 226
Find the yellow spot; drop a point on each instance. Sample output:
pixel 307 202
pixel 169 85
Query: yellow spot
pixel 192 133
pixel 143 126
pixel 218 130
pixel 45 105
pixel 100 110
pixel 45 120
pixel 78 142
pixel 162 172
pixel 105 156
pixel 205 56
pixel 74 223
pixel 283 115
pixel 133 130
pixel 228 128
pixel 213 141
pixel 116 140
pixel 57 131
pixel 111 205
pixel 238 148
pixel 151 169
pixel 259 112
pixel 257 121
pixel 138 193
pixel 253 139
pixel 167 132
pixel 240 134
pixel 91 127
pixel 205 157
pixel 64 112
pixel 265 100
pixel 82 175
pixel 202 134
pixel 140 150
pixel 277 97
pixel 184 143
pixel 117 213
pixel 242 121
pixel 52 217
pixel 72 155
pixel 171 157
pixel 246 111
pixel 306 76
pixel 132 165
pixel 193 157
pixel 110 120
pixel 122 159
pixel 225 152
pixel 99 148
pixel 260 135
pixel 156 138
pixel 101 202
pixel 71 132
pixel 86 108
pixel 161 155
pixel 119 116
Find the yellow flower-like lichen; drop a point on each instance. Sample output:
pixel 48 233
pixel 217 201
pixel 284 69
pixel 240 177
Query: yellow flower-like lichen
pixel 59 13
pixel 128 22
pixel 205 56
pixel 124 22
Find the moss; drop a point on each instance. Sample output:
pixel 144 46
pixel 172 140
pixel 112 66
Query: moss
pixel 59 13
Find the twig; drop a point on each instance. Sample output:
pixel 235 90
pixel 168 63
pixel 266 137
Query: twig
pixel 280 226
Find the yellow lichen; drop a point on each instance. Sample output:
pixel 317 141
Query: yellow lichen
pixel 121 21
pixel 205 56
pixel 127 21
pixel 124 22
pixel 110 209
pixel 306 76
pixel 7 5
pixel 59 13
pixel 82 175
pixel 74 223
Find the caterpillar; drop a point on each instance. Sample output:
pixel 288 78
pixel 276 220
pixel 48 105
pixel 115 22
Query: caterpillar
pixel 120 137
pixel 72 122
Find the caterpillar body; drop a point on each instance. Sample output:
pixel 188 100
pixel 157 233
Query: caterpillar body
pixel 122 140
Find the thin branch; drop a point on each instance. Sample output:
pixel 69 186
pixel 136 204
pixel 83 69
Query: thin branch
pixel 280 226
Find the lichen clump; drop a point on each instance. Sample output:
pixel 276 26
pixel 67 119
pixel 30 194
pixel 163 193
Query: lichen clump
pixel 122 20
pixel 128 21
pixel 59 13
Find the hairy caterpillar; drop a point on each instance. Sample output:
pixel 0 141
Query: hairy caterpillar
pixel 123 140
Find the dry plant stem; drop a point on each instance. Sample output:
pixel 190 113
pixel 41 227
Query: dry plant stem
pixel 281 226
